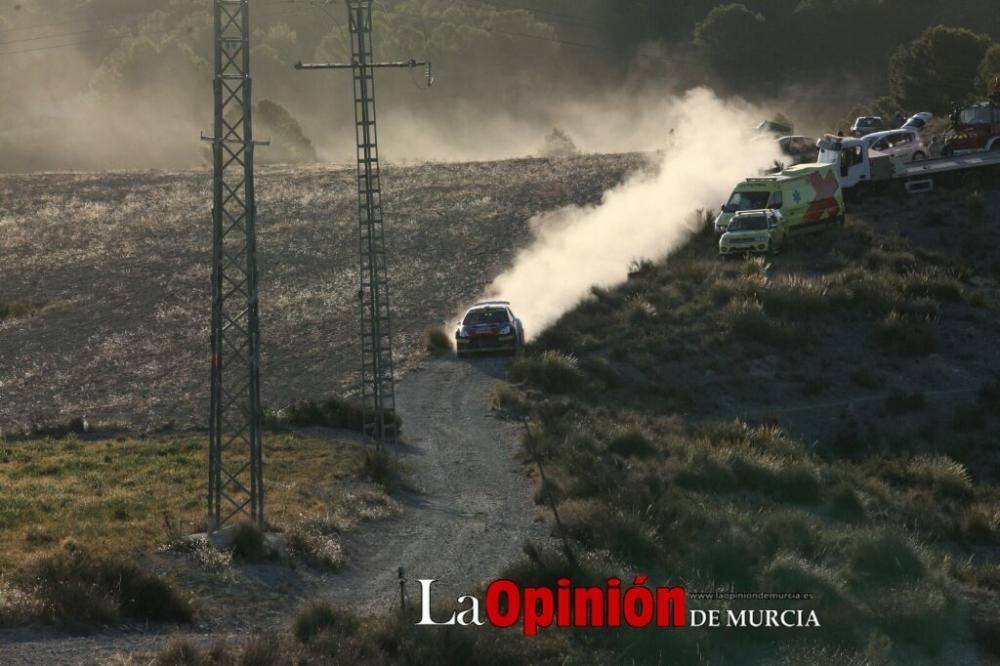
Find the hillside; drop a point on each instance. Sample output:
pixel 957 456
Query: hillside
pixel 818 421
pixel 109 274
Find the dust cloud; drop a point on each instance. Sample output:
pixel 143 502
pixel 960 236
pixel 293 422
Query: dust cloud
pixel 644 218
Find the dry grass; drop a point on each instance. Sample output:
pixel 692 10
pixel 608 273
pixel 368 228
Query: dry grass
pixel 124 275
pixel 116 496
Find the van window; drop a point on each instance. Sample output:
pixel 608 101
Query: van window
pixel 776 200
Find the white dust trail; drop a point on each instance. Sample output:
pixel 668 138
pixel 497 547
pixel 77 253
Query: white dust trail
pixel 644 218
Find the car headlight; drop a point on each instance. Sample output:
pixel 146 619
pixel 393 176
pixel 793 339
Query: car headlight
pixel 462 332
pixel 506 330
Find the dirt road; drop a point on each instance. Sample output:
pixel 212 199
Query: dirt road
pixel 471 515
pixel 474 512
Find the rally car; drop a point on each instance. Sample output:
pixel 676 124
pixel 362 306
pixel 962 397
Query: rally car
pixel 489 326
pixel 754 231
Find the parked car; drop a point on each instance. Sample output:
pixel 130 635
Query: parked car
pixel 774 128
pixel 799 149
pixel 902 144
pixel 864 125
pixel 489 326
pixel 754 231
pixel 918 120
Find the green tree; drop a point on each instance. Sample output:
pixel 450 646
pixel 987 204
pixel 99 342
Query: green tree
pixel 937 69
pixel 289 143
pixel 736 43
pixel 989 69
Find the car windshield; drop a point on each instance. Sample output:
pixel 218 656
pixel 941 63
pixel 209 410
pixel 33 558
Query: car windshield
pixel 975 115
pixel 747 201
pixel 748 223
pixel 486 316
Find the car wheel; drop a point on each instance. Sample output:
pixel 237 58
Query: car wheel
pixel 918 157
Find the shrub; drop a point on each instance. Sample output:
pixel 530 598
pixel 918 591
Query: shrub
pixel 795 297
pixel 553 372
pixel 846 505
pixel 382 467
pixel 319 548
pixel 632 443
pixel 332 412
pixel 934 285
pixel 77 588
pixel 747 320
pixel 437 342
pixel 885 556
pixel 15 310
pixel 250 543
pixel 317 618
pixel 898 261
pixel 181 652
pixel 265 650
pixel 944 475
pixel 908 336
pixel 508 398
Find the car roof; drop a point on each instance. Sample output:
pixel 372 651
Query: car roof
pixel 875 136
pixel 488 305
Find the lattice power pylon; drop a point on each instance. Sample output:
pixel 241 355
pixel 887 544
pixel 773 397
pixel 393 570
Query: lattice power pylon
pixel 235 478
pixel 377 383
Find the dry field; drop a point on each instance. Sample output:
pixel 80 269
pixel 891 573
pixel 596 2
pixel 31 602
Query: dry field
pixel 114 267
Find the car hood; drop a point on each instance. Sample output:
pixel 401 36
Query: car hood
pixel 722 219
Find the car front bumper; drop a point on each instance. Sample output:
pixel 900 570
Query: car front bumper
pixel 742 248
pixel 486 343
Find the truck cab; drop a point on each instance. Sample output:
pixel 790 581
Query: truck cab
pixel 974 128
pixel 852 160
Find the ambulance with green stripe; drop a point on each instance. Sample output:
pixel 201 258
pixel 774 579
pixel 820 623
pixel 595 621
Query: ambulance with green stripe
pixel 808 195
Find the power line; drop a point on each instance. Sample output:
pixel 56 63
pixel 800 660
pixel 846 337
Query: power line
pixel 78 43
pixel 71 21
pixel 68 34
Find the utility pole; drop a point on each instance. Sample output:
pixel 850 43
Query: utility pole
pixel 377 383
pixel 235 463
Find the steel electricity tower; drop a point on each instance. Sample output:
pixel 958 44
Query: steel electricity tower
pixel 235 477
pixel 377 384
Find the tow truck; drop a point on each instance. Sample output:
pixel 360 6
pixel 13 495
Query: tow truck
pixel 859 168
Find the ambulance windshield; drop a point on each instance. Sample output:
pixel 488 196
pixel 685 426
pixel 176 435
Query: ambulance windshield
pixel 747 201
